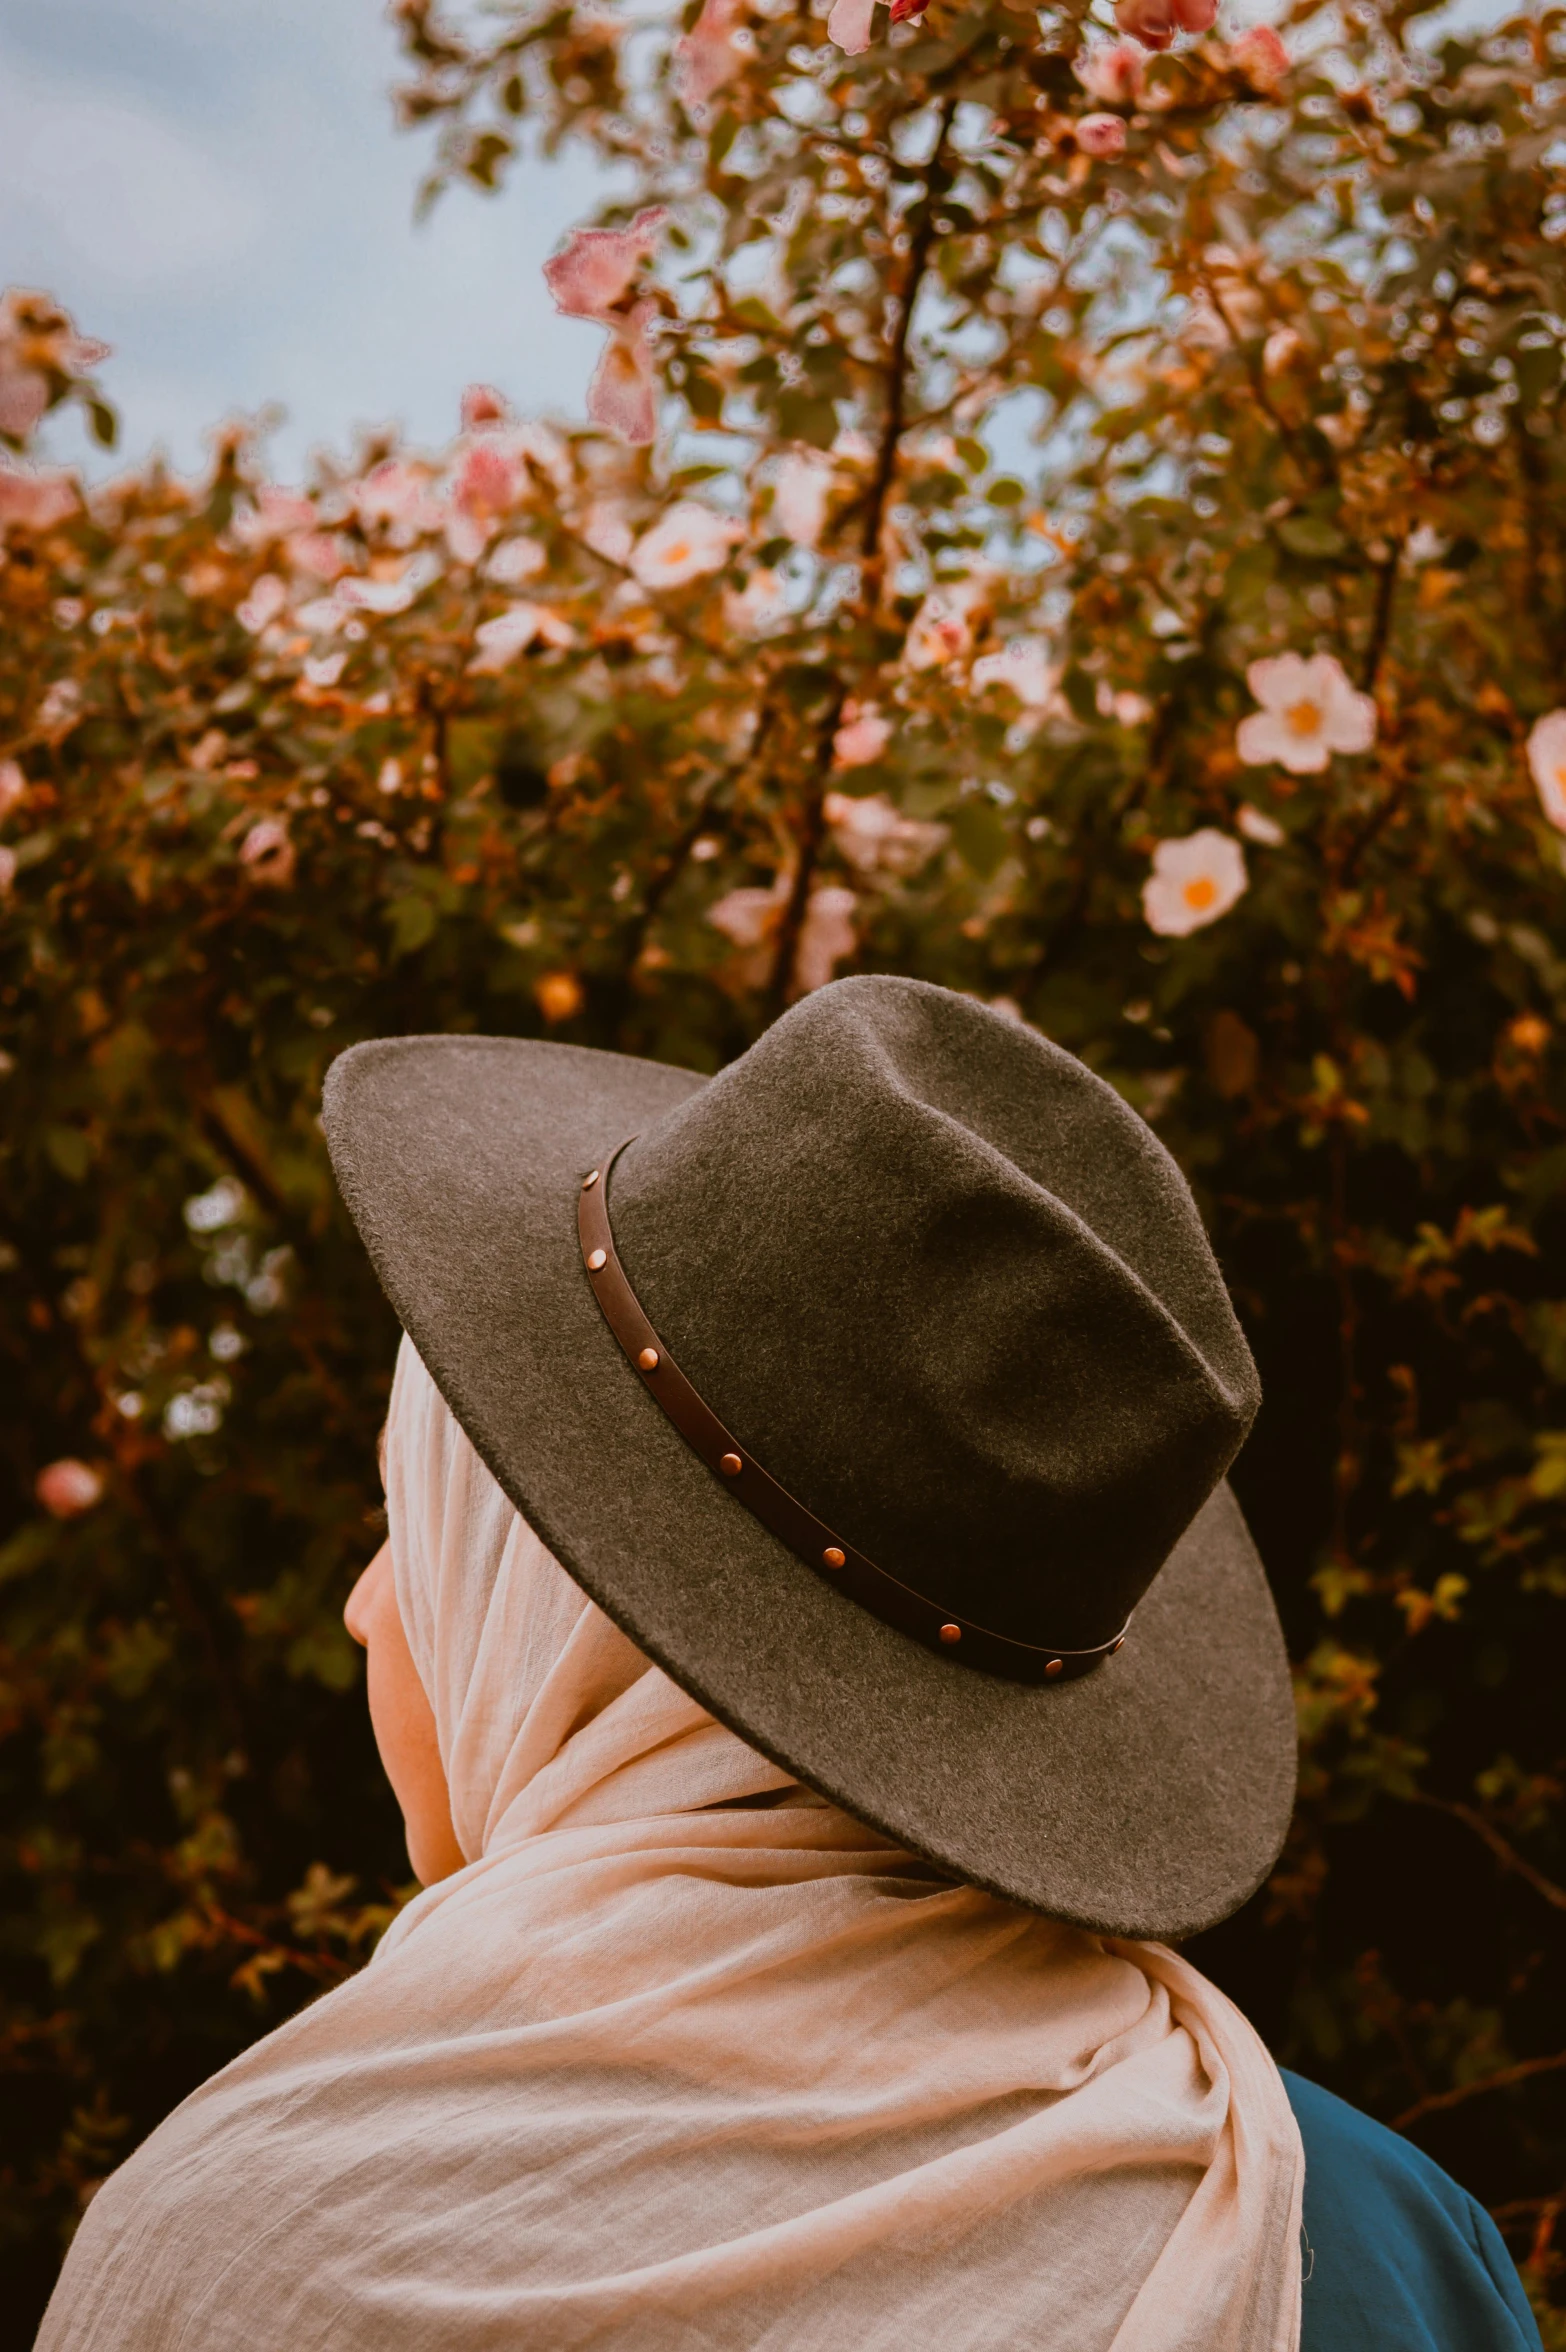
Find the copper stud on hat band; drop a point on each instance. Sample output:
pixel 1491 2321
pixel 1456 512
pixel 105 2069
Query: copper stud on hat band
pixel 589 1180
pixel 951 1633
pixel 731 1465
pixel 832 1557
pixel 1054 1667
pixel 649 1359
pixel 597 1260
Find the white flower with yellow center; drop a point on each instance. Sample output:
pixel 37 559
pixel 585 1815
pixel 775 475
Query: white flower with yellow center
pixel 689 540
pixel 1308 711
pixel 1194 880
pixel 1547 763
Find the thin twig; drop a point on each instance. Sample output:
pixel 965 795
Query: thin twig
pixel 1438 2101
pixel 1504 1851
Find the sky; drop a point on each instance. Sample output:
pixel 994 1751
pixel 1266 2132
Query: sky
pixel 217 189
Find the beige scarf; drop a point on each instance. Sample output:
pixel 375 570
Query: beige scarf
pixel 670 2071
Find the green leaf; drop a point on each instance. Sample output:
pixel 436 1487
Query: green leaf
pixel 1311 535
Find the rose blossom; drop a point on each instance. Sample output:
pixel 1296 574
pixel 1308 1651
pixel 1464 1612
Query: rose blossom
pixel 687 541
pixel 67 1488
pixel 751 918
pixel 13 786
pixel 592 279
pixel 876 838
pixel 1023 664
pixel 1101 134
pixel 268 853
pixel 511 633
pixel 36 500
pixel 799 500
pixel 1547 764
pixel 938 633
pixel 1260 56
pixel 1155 22
pixel 483 405
pixel 1113 72
pixel 1309 711
pixel 1194 880
pixel 861 737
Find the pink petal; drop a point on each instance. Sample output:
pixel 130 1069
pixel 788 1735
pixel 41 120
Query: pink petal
pixel 1260 56
pixel 1101 134
pixel 1152 22
pixel 37 501
pixel 622 396
pixel 1196 16
pixel 707 60
pixel 482 405
pixel 849 26
pixel 598 267
pixel 24 397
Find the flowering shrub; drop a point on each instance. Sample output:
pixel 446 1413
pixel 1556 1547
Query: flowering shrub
pixel 1123 577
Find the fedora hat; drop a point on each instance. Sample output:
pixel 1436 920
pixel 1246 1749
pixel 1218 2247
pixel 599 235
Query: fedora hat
pixel 881 1388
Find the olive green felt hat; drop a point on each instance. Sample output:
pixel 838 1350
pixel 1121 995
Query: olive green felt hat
pixel 882 1389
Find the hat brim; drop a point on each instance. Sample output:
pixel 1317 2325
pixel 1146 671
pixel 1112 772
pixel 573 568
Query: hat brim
pixel 1148 1798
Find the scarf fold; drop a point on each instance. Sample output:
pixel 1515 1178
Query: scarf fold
pixel 686 2060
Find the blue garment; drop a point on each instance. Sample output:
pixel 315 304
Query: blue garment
pixel 1398 2257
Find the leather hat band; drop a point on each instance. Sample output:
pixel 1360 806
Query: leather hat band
pixel 832 1557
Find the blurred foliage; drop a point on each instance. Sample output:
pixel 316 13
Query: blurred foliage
pixel 987 468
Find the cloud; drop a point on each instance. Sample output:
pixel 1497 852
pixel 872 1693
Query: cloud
pixel 121 192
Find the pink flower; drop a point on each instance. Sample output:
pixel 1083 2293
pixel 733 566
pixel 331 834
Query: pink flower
pixel 68 1488
pixel 598 268
pixel 36 501
pixel 849 25
pixel 1547 765
pixel 483 405
pixel 273 514
pixel 862 736
pixel 268 853
pixel 607 532
pixel 262 606
pixel 708 57
pixel 1101 134
pixel 876 838
pixel 487 483
pixel 1155 22
pixel 1309 711
pixel 13 787
pixel 759 605
pixel 397 495
pixel 516 560
pixel 751 918
pixel 799 500
pixel 687 541
pixel 826 935
pixel 1023 664
pixel 1194 880
pixel 1260 55
pixel 1115 73
pixel 511 633
pixel 623 395
pixel 39 346
pixel 938 633
pixel 320 553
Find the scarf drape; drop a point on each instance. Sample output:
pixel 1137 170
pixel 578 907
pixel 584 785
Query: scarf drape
pixel 686 2058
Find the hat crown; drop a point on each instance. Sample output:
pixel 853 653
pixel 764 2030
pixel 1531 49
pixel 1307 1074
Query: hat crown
pixel 953 1293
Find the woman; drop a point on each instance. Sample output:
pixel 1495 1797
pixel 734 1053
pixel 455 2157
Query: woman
pixel 791 1991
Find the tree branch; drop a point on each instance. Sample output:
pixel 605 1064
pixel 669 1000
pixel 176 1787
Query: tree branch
pixel 1438 2101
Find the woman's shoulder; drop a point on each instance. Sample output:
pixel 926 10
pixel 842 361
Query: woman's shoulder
pixel 1399 2258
